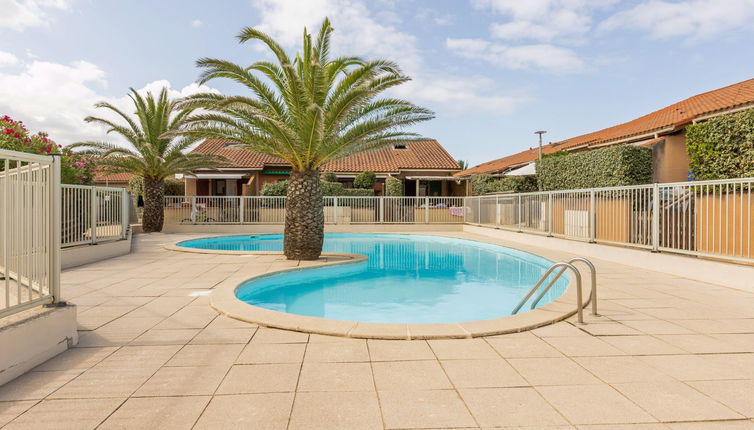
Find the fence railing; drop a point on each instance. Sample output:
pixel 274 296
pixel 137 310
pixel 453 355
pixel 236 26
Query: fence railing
pixel 338 210
pixel 93 214
pixel 29 231
pixel 704 218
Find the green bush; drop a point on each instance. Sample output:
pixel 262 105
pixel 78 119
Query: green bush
pixel 393 186
pixel 329 177
pixel 365 180
pixel 329 189
pixel 273 189
pixel 136 185
pixel 608 167
pixel 722 147
pixel 173 186
pixel 484 184
pixel 75 168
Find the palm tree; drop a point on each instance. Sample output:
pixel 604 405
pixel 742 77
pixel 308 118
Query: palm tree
pixel 148 154
pixel 308 110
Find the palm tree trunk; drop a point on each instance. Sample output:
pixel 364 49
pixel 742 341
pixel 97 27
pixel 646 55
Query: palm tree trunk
pixel 304 217
pixel 154 190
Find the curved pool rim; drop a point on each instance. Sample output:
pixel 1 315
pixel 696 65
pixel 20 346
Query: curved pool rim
pixel 223 299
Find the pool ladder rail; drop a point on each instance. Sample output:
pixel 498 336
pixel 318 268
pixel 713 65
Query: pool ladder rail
pixel 564 265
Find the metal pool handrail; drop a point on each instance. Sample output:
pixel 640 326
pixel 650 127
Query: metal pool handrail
pixel 564 266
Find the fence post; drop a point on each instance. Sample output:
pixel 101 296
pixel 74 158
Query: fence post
pixel 241 209
pixel 479 210
pixel 93 215
pixel 382 209
pixel 125 207
pixel 335 210
pixel 193 210
pixel 592 218
pixel 518 223
pixel 426 209
pixel 549 214
pixel 655 217
pixel 55 229
pixel 497 211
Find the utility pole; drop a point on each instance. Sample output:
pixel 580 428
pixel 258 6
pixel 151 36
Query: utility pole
pixel 540 133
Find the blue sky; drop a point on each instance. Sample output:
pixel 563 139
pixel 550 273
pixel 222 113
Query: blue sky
pixel 494 71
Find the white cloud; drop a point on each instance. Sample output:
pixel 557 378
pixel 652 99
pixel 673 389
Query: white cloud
pixel 19 15
pixel 697 19
pixel 56 98
pixel 462 94
pixel 196 23
pixel 359 32
pixel 7 59
pixel 541 56
pixel 356 32
pixel 542 20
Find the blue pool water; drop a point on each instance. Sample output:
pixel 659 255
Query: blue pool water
pixel 406 279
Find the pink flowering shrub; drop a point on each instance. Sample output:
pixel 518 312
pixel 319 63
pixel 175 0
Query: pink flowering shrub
pixel 75 168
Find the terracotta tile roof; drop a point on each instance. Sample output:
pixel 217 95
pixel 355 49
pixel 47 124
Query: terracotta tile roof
pixel 112 177
pixel 423 154
pixel 673 117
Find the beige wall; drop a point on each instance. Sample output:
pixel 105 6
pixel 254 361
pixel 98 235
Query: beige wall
pixel 670 163
pixel 190 186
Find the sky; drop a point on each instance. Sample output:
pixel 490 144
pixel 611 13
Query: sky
pixel 493 71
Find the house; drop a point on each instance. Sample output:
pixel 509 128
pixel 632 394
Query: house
pixel 119 180
pixel 425 166
pixel 662 130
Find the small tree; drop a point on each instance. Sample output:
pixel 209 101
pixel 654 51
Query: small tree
pixel 150 152
pixel 365 180
pixel 393 187
pixel 309 109
pixel 330 177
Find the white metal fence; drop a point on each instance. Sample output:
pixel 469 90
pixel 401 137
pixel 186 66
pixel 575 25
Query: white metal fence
pixel 338 210
pixel 29 231
pixel 704 218
pixel 93 214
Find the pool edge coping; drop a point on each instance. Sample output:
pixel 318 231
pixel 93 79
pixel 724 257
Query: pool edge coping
pixel 223 299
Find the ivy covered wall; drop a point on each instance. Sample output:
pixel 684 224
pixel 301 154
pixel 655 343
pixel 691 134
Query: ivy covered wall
pixel 722 147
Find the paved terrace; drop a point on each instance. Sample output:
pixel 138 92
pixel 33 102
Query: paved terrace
pixel 668 353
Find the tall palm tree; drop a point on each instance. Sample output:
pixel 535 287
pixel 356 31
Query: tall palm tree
pixel 308 110
pixel 149 153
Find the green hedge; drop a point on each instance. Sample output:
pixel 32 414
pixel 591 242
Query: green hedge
pixel 484 184
pixel 328 189
pixel 393 187
pixel 722 147
pixel 608 167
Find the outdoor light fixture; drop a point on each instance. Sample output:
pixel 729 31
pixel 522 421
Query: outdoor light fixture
pixel 540 133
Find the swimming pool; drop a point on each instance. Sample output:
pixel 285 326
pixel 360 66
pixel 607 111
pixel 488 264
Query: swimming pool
pixel 405 279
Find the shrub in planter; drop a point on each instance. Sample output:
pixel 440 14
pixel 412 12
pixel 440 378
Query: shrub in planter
pixel 607 167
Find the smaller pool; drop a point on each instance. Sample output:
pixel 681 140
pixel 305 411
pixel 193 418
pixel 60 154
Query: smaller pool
pixel 406 279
